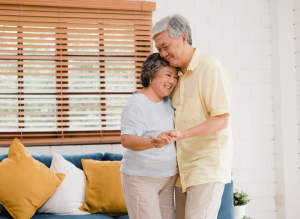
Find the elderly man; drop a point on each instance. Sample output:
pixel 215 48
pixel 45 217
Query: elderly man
pixel 202 125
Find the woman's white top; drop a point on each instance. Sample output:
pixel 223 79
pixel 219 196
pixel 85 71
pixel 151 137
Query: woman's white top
pixel 141 117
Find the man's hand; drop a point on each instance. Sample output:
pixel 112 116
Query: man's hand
pixel 161 140
pixel 176 135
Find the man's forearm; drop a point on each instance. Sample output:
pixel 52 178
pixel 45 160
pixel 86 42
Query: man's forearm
pixel 213 124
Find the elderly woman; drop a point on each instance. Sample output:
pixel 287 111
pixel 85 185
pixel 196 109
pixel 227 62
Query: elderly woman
pixel 149 170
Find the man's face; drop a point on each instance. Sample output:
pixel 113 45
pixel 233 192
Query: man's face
pixel 169 48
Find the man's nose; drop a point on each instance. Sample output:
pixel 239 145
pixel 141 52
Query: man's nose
pixel 163 53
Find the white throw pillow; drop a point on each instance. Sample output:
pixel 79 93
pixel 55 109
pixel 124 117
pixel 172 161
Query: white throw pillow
pixel 70 195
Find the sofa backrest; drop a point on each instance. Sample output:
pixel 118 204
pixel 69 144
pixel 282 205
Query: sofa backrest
pixel 75 159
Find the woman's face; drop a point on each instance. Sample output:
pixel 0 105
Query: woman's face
pixel 165 81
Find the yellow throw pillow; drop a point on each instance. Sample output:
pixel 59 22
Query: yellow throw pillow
pixel 104 192
pixel 25 183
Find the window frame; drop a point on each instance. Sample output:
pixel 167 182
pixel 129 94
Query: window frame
pixel 52 138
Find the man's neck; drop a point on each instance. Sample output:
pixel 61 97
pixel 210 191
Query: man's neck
pixel 189 55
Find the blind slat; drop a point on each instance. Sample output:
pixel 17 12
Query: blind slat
pixel 75 25
pixel 14 62
pixel 67 96
pixel 65 31
pixel 62 113
pixel 73 74
pixel 73 20
pixel 103 4
pixel 108 47
pixel 81 42
pixel 60 14
pixel 68 79
pixel 65 58
pixel 71 9
pixel 61 118
pixel 82 53
pixel 69 36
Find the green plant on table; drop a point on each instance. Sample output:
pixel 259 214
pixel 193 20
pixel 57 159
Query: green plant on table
pixel 240 198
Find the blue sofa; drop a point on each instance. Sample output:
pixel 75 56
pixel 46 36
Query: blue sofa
pixel 226 209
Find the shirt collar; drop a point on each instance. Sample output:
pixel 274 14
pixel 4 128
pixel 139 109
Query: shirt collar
pixel 193 64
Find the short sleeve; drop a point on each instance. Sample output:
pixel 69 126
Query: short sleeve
pixel 133 120
pixel 217 91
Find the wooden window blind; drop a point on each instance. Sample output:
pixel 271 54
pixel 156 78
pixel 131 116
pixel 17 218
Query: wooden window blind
pixel 66 73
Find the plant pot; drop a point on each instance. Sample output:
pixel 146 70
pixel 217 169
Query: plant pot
pixel 239 211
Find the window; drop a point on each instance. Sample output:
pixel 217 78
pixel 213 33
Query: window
pixel 66 73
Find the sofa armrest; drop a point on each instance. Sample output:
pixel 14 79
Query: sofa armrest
pixel 227 209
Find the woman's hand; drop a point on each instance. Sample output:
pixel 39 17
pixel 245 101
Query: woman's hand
pixel 161 140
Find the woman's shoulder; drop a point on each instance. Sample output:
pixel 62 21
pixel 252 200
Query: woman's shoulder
pixel 136 101
pixel 141 101
pixel 137 98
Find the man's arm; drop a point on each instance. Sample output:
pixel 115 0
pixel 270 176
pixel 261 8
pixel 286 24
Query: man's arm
pixel 213 124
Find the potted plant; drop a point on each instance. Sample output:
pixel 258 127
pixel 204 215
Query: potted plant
pixel 245 217
pixel 240 200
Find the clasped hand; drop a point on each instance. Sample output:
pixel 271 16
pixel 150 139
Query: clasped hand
pixel 166 138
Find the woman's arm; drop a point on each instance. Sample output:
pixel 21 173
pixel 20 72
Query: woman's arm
pixel 136 143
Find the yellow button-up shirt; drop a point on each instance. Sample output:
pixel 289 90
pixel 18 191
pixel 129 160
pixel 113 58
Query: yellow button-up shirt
pixel 202 92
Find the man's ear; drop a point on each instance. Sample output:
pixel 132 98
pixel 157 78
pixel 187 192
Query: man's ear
pixel 184 38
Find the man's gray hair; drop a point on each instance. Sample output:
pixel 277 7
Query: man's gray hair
pixel 175 25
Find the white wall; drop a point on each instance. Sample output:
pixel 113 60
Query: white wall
pixel 237 32
pixel 296 13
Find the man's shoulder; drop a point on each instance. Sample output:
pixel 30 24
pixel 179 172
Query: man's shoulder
pixel 207 60
pixel 207 65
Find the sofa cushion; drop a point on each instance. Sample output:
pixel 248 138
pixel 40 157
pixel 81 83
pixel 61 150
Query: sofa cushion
pixel 74 159
pixel 104 192
pixel 25 183
pixel 70 195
